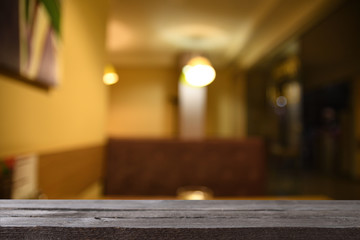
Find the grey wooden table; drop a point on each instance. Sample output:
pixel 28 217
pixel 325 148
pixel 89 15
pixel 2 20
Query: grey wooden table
pixel 148 219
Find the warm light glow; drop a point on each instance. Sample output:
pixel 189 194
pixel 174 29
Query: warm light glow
pixel 202 37
pixel 194 193
pixel 119 36
pixel 110 76
pixel 199 72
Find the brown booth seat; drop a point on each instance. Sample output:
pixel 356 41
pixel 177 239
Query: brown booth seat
pixel 161 166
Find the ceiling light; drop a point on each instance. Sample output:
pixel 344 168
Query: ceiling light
pixel 198 72
pixel 110 76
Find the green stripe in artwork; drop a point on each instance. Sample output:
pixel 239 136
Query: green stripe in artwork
pixel 53 8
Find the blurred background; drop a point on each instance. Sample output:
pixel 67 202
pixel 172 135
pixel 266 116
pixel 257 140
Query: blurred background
pixel 278 116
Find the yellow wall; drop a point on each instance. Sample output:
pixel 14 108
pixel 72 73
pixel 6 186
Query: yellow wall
pixel 240 100
pixel 226 110
pixel 72 114
pixel 141 103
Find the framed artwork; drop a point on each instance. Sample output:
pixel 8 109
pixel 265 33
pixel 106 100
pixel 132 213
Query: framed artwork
pixel 29 40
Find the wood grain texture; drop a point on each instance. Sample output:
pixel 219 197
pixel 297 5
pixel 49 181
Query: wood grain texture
pixel 65 174
pixel 161 219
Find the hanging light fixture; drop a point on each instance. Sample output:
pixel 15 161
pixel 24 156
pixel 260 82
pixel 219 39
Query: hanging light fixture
pixel 198 72
pixel 110 76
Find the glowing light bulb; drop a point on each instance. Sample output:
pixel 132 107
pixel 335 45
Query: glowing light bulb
pixel 110 77
pixel 199 72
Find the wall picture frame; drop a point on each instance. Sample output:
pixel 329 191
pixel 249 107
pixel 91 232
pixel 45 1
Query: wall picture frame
pixel 29 40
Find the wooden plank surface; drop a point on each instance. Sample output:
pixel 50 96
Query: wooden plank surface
pixel 163 219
